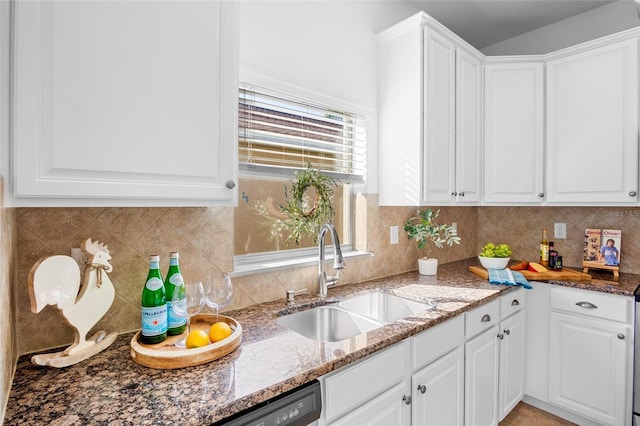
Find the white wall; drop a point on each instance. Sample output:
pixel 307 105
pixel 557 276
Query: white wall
pixel 324 50
pixel 605 20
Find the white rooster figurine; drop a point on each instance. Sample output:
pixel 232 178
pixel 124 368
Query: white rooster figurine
pixel 55 280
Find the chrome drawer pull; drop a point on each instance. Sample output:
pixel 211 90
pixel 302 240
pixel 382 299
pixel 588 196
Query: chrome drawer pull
pixel 620 336
pixel 486 318
pixel 515 302
pixel 586 305
pixel 406 399
pixel 422 388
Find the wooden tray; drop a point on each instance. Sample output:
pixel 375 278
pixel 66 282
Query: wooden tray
pixel 564 275
pixel 166 355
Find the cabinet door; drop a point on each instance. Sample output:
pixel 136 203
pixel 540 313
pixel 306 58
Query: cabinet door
pixel 439 118
pixel 587 367
pixel 512 355
pixel 592 125
pixel 514 120
pixel 131 101
pixel 468 127
pixel 388 408
pixel 438 392
pixel 481 379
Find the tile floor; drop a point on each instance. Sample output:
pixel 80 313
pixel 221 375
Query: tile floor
pixel 528 415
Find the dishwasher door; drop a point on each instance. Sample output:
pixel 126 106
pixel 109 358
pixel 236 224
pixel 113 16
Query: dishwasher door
pixel 301 406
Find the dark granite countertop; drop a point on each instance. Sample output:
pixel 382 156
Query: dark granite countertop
pixel 110 388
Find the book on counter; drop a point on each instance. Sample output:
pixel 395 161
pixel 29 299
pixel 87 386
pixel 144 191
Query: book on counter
pixel 602 248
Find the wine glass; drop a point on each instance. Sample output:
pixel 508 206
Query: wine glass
pixel 218 293
pixel 187 303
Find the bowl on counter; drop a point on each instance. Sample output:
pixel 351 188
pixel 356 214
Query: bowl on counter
pixel 494 262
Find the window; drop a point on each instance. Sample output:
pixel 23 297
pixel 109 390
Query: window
pixel 278 135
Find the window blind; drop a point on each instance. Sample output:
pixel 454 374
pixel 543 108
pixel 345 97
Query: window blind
pixel 278 133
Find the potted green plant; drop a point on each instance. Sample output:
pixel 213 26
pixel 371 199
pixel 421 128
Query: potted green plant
pixel 425 231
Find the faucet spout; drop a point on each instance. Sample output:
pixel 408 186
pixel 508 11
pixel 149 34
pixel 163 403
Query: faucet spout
pixel 325 281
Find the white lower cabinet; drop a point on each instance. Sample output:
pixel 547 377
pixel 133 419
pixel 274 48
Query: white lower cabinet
pixel 512 355
pixel 438 392
pixel 388 408
pixel 371 382
pixel 590 354
pixel 481 379
pixel 580 354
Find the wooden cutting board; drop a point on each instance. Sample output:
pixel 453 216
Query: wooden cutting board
pixel 564 275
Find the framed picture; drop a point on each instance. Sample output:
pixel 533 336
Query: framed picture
pixel 602 248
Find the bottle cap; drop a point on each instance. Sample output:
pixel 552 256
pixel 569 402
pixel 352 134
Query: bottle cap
pixel 550 243
pixel 154 257
pixel 174 254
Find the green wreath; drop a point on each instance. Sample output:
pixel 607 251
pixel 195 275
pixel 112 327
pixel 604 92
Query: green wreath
pixel 304 218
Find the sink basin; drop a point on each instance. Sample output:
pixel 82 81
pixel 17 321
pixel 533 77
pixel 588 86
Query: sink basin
pixel 383 307
pixel 328 324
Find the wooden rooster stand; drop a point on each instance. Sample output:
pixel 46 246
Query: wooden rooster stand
pixel 56 280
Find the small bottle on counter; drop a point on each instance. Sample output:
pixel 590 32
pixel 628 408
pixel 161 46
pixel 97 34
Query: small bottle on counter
pixel 544 249
pixel 174 283
pixel 558 265
pixel 154 305
pixel 553 255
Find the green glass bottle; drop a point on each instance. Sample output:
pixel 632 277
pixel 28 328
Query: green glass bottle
pixel 154 305
pixel 174 283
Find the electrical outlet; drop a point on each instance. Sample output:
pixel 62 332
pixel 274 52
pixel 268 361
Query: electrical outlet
pixel 393 233
pixel 560 231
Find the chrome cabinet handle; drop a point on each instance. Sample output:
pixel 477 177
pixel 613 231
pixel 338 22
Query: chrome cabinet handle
pixel 620 336
pixel 230 184
pixel 500 336
pixel 541 194
pixel 407 399
pixel 507 332
pixel 422 388
pixel 453 194
pixel 586 305
pixel 462 194
pixel 515 302
pixel 632 194
pixel 486 318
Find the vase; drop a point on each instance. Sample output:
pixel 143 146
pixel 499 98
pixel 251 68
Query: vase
pixel 427 266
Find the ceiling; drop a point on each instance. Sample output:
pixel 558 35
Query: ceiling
pixel 486 22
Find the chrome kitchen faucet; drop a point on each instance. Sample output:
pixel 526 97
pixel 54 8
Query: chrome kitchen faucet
pixel 325 281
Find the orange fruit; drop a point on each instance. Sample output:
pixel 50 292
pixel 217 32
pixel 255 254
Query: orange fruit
pixel 197 339
pixel 219 331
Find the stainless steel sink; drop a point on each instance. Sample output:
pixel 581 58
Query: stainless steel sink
pixel 383 307
pixel 351 317
pixel 328 324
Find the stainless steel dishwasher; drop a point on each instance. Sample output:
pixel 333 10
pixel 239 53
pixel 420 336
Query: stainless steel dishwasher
pixel 298 407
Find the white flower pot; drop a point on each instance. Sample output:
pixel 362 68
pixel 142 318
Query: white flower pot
pixel 428 266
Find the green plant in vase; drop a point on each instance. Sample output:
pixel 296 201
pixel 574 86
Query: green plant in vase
pixel 426 232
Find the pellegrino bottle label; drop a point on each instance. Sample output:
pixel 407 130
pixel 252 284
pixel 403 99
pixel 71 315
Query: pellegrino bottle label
pixel 154 320
pixel 154 284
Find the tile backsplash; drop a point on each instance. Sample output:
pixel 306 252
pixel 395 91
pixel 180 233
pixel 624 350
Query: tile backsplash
pixel 8 351
pixel 521 227
pixel 204 237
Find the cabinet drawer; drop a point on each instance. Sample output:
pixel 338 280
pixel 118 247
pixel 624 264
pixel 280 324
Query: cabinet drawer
pixel 351 386
pixel 437 341
pixel 482 318
pixel 592 304
pixel 512 302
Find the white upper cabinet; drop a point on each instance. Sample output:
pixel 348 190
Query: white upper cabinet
pixel 592 124
pixel 124 103
pixel 430 97
pixel 514 132
pixel 469 90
